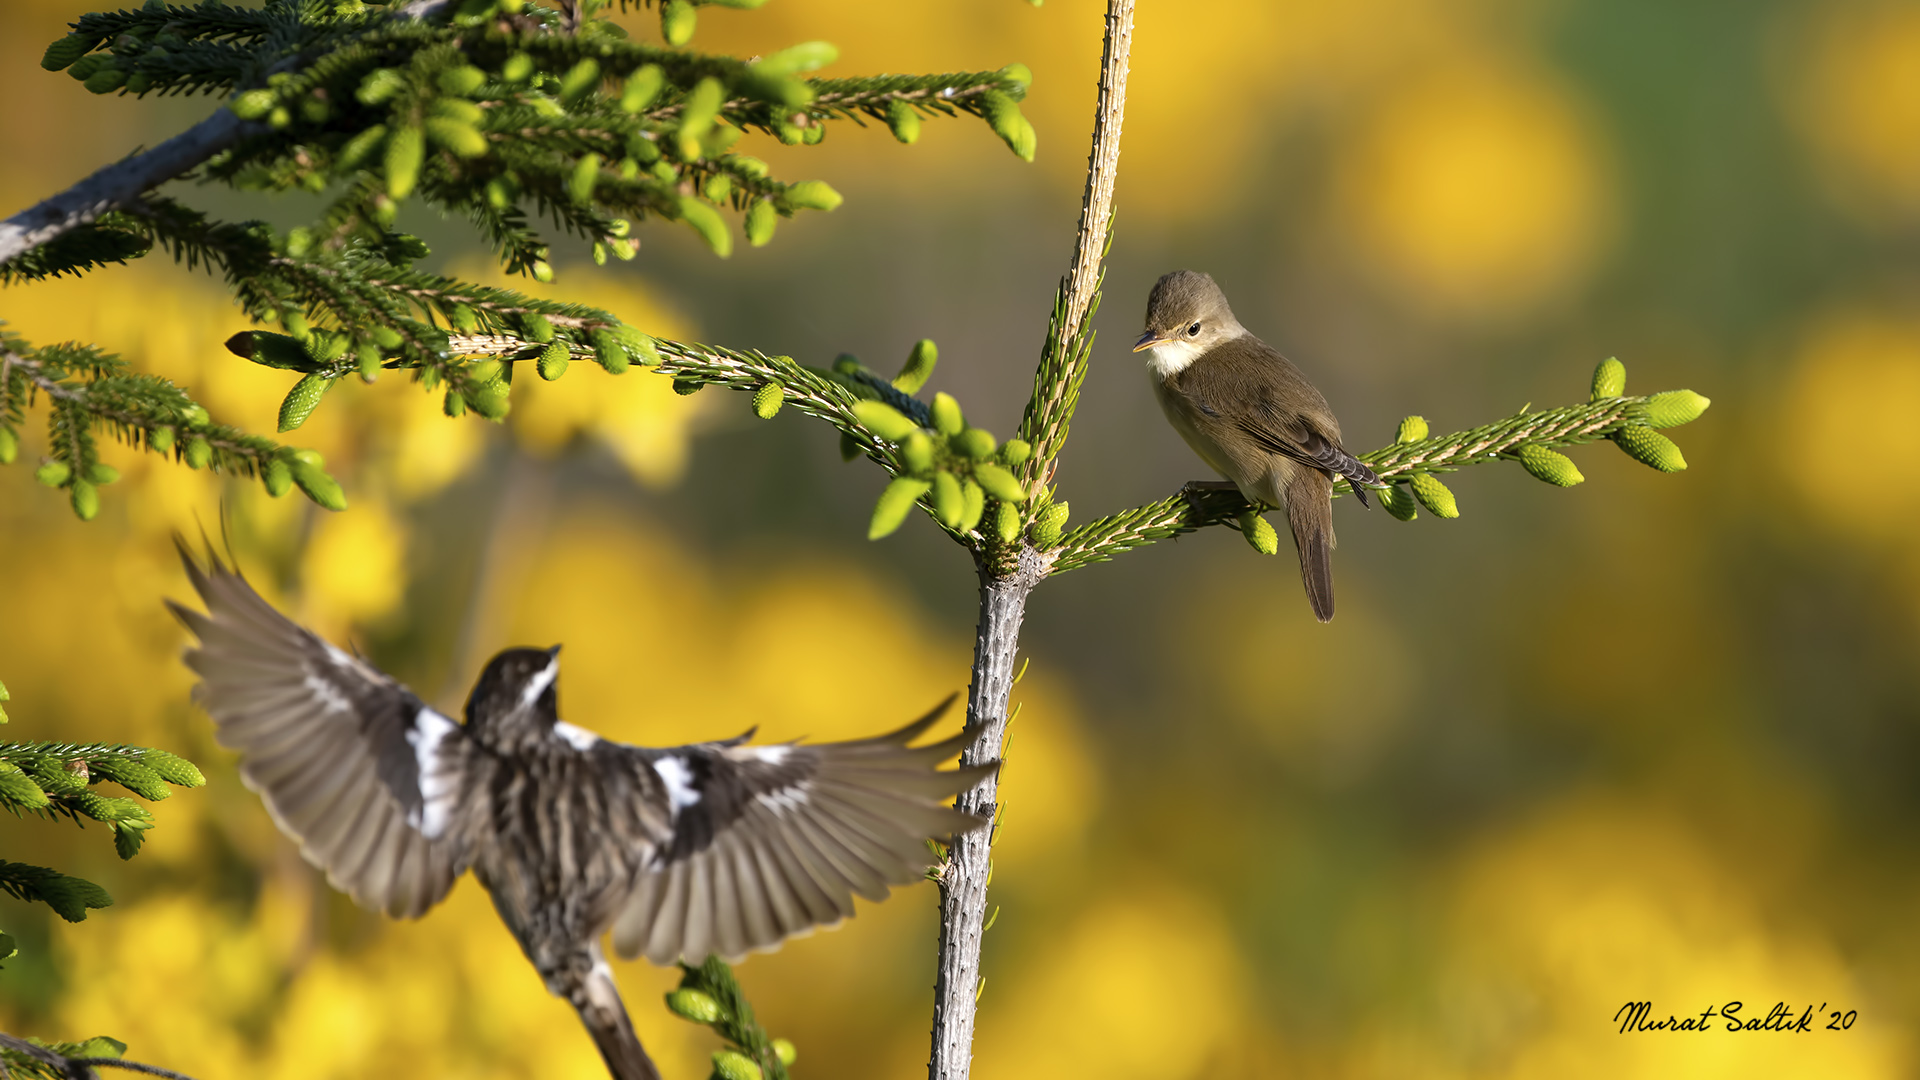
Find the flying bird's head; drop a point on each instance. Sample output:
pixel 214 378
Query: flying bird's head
pixel 517 694
pixel 1187 315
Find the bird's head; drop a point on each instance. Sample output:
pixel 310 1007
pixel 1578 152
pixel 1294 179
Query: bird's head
pixel 517 692
pixel 1187 315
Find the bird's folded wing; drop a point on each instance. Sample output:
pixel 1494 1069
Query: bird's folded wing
pixel 771 841
pixel 349 762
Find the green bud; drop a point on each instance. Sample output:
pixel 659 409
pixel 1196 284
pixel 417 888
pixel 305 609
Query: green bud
pixel 279 119
pixel 253 104
pixel 948 503
pixel 1412 430
pixel 893 504
pixel 608 350
pixel 975 443
pixel 360 148
pixel 916 453
pixel 106 80
pixel 1004 116
pixel 884 420
pixel 1400 503
pixel 324 490
pixel 278 476
pixel 199 453
pixel 785 1051
pixel 406 150
pixel 159 440
pixel 639 346
pixel 1259 533
pixel 542 271
pixel 140 82
pixel 65 51
pixel 1048 526
pixel 761 218
pixel 553 360
pixel 1555 468
pixel 323 348
pixel 919 367
pixel 386 337
pixel 580 80
pixel 536 327
pixel 796 59
pixel 1434 495
pixel 302 400
pixel 947 418
pixel 904 119
pixel 687 386
pixel 586 172
pixel 718 189
pixel 1006 523
pixel 768 399
pixel 789 133
pixel 642 87
pixel 1015 451
pixel 677 19
pixel 719 139
pixel 194 416
pixel 813 134
pixel 695 1005
pixel 1649 447
pixel 1675 407
pixel 102 474
pixel 53 474
pixel 457 109
pixel 85 499
pixel 453 404
pixel 708 223
pixel 517 68
pixel 381 85
pixel 462 80
pixel 733 1065
pixel 1018 73
pixel 999 483
pixel 697 114
pixel 973 502
pixel 9 446
pixel 461 139
pixel 1609 379
pixel 812 195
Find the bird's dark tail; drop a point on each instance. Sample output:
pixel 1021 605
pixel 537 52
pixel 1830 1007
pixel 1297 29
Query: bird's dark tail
pixel 1310 513
pixel 594 997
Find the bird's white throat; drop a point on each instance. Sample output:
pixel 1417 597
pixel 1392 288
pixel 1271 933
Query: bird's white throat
pixel 1172 358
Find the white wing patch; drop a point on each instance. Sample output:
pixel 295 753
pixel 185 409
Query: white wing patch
pixel 539 683
pixel 673 772
pixel 577 737
pixel 772 755
pixel 437 783
pixel 786 800
pixel 327 693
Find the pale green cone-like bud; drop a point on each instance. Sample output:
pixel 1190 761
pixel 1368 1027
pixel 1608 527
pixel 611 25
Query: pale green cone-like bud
pixel 973 502
pixel 64 52
pixel 199 452
pixel 1412 430
pixel 368 356
pixel 302 400
pixel 999 483
pixel 10 444
pixel 553 360
pixel 904 119
pixel 718 189
pixel 517 69
pixel 1260 535
pixel 768 399
pixel 1019 73
pixel 677 22
pixel 295 321
pixel 687 386
pixel 642 87
pixel 733 1065
pixel 452 404
pixel 1609 379
pixel 324 490
pixel 608 350
pixel 85 499
pixel 708 223
pixel 1400 503
pixel 1016 451
pixel 884 420
pixel 917 452
pixel 812 195
pixel 695 1005
pixel 160 440
pixel 976 443
pixel 406 150
pixel 1649 447
pixel 462 80
pixel 360 148
pixel 580 80
pixel 1003 114
pixel 761 218
pixel 102 474
pixel 948 503
pixel 639 345
pixel 463 140
pixel 586 173
pixel 380 86
pixel 894 502
pixel 918 368
pixel 948 420
pixel 1675 407
pixel 1006 523
pixel 253 104
pixel 277 476
pixel 1554 468
pixel 536 327
pixel 1434 496
pixel 53 474
pixel 785 1051
pixel 697 114
pixel 1048 526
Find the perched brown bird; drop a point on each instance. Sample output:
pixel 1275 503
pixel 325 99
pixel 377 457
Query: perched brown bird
pixel 716 847
pixel 1252 416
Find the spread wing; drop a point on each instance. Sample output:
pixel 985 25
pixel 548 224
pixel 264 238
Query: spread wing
pixel 771 841
pixel 349 762
pixel 1278 427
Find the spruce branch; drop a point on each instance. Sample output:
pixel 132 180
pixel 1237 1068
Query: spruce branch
pixel 69 897
pixel 709 995
pixel 57 780
pixel 71 1061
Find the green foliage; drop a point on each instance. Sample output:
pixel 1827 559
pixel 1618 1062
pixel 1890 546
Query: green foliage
pixel 709 995
pixel 60 1061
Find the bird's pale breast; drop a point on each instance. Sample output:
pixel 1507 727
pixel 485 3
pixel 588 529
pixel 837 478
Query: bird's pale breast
pixel 1262 479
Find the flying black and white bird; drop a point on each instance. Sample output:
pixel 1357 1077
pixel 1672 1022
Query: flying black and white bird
pixel 716 847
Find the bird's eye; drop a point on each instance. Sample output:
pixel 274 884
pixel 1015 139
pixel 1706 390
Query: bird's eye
pixel 1194 330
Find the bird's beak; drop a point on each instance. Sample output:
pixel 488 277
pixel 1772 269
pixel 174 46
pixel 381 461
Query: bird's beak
pixel 1148 340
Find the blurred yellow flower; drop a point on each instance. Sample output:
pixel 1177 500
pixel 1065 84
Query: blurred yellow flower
pixel 1856 384
pixel 1853 93
pixel 354 571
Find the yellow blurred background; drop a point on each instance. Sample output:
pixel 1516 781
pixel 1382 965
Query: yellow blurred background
pixel 1650 739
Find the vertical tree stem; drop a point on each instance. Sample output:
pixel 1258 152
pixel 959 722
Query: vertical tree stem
pixel 963 886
